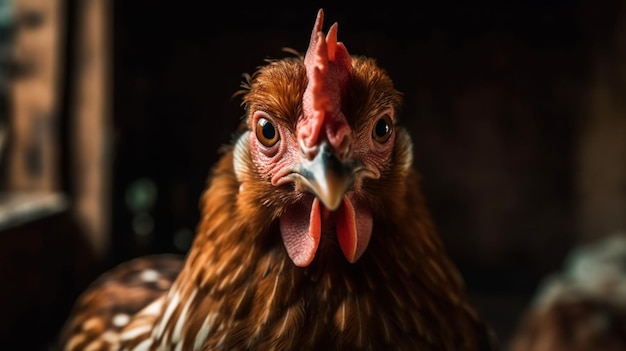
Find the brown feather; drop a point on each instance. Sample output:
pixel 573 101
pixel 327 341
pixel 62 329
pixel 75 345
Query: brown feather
pixel 123 291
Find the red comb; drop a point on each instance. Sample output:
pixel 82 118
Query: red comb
pixel 328 66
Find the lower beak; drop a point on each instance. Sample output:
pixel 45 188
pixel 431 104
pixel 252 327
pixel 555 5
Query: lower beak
pixel 327 177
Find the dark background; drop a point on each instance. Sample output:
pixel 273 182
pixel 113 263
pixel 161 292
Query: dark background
pixel 497 98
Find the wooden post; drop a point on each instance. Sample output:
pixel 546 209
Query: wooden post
pixel 90 122
pixel 602 149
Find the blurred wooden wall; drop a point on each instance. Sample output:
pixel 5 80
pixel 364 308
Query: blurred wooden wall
pixel 33 159
pixel 59 106
pixel 54 199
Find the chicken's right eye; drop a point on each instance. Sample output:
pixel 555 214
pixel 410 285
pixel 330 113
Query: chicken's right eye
pixel 383 129
pixel 266 132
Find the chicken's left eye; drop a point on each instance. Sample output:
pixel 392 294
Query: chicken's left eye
pixel 382 129
pixel 266 132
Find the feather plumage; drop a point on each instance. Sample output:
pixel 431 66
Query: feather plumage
pixel 376 277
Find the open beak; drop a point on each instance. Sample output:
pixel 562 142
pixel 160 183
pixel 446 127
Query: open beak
pixel 327 177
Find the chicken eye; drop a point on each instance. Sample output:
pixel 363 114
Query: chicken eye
pixel 266 132
pixel 382 129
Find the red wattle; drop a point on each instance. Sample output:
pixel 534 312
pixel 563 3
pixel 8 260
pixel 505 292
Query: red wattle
pixel 346 230
pixel 354 228
pixel 301 227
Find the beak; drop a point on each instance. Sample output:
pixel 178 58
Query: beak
pixel 327 177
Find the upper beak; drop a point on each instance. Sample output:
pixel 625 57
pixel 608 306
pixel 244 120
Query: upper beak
pixel 327 177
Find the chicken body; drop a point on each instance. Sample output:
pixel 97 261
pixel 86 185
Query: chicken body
pixel 314 232
pixel 582 308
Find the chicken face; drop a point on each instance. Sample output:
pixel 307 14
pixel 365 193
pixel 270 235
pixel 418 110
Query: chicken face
pixel 320 136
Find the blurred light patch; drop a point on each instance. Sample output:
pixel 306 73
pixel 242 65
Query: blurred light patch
pixel 141 195
pixel 17 208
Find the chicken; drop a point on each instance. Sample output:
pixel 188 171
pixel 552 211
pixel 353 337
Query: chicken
pixel 313 235
pixel 582 308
